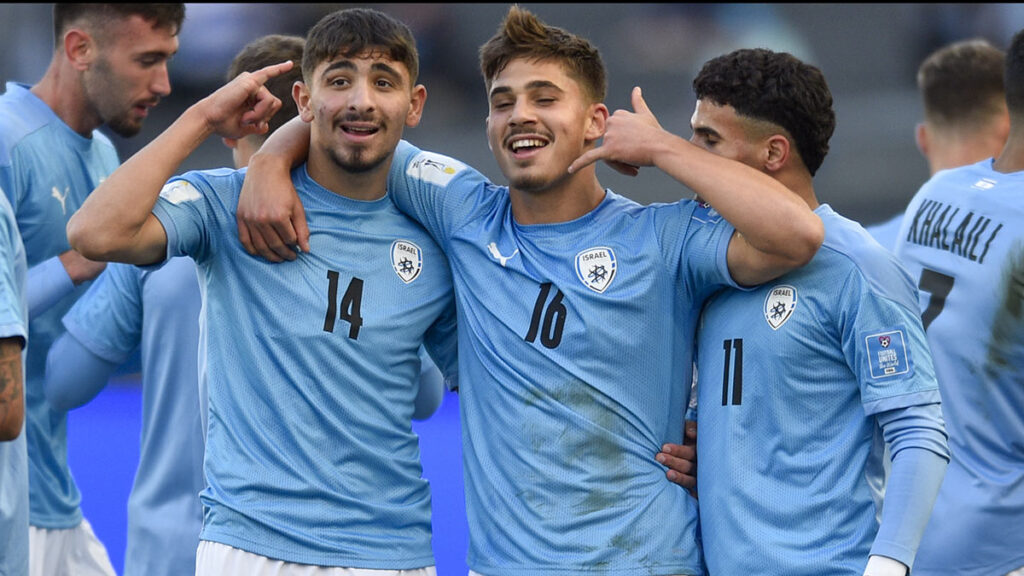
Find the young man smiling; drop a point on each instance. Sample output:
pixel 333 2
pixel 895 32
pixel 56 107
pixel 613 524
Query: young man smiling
pixel 312 466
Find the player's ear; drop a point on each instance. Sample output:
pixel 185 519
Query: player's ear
pixel 419 99
pixel 921 137
pixel 79 48
pixel 300 92
pixel 777 150
pixel 597 122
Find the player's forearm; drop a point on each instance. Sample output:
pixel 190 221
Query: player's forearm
pixel 771 217
pixel 74 374
pixel 115 222
pixel 287 147
pixel 12 394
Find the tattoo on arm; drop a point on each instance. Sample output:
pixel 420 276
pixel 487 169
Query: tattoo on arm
pixel 11 383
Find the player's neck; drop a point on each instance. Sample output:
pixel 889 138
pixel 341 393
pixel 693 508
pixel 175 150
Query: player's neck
pixel 61 90
pixel 366 186
pixel 573 197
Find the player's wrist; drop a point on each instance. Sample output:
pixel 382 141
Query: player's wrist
pixel 884 566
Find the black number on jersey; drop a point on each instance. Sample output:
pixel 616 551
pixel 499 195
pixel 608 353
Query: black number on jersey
pixel 554 318
pixel 737 371
pixel 939 286
pixel 350 304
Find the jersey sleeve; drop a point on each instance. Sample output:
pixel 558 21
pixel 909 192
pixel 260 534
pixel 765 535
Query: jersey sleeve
pixel 694 235
pixel 441 343
pixel 107 319
pixel 884 341
pixel 184 210
pixel 435 190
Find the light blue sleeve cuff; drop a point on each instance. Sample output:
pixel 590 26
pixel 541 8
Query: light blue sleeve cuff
pixel 48 282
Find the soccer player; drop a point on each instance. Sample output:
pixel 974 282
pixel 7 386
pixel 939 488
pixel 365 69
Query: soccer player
pixel 802 379
pixel 13 337
pixel 109 67
pixel 311 366
pixel 577 309
pixel 962 240
pixel 965 117
pixel 128 307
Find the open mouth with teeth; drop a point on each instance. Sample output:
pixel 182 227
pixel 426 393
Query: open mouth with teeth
pixel 526 145
pixel 359 130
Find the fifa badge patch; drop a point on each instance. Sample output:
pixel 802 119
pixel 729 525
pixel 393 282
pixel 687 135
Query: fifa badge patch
pixel 779 305
pixel 887 354
pixel 434 168
pixel 179 191
pixel 596 268
pixel 407 260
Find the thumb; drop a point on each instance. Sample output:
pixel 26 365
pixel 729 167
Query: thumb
pixel 639 105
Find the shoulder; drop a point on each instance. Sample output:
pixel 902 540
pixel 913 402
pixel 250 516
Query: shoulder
pixel 848 244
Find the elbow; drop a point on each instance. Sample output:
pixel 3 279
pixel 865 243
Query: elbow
pixel 807 241
pixel 87 240
pixel 11 426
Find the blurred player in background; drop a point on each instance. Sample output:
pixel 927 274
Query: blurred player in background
pixel 962 239
pixel 13 340
pixel 965 116
pixel 157 311
pixel 109 68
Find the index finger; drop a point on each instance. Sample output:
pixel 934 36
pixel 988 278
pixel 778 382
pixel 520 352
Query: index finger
pixel 588 158
pixel 268 72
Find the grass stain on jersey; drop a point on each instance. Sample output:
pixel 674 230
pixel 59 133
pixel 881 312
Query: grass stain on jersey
pixel 1006 347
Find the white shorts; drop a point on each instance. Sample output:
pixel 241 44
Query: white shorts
pixel 216 559
pixel 68 552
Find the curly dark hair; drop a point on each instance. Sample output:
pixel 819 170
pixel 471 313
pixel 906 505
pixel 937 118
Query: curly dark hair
pixel 775 87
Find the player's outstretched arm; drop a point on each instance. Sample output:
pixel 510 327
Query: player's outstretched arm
pixel 776 230
pixel 115 223
pixel 270 217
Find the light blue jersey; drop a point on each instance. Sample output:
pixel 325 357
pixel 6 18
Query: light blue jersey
pixel 885 233
pixel 312 370
pixel 791 376
pixel 13 457
pixel 575 341
pixel 963 242
pixel 46 171
pixel 158 309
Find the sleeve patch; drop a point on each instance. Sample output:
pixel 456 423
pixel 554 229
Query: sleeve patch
pixel 887 354
pixel 705 213
pixel 179 191
pixel 434 168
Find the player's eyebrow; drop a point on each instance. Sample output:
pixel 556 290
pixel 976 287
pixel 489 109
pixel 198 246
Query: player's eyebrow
pixel 534 85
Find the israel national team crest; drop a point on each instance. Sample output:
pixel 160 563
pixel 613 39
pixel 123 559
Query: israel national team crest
pixel 596 268
pixel 779 305
pixel 407 259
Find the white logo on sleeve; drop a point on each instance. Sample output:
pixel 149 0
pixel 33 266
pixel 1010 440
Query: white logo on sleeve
pixel 596 268
pixel 179 191
pixel 434 168
pixel 407 260
pixel 779 305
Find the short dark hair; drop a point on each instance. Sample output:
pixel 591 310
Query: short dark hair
pixel 267 50
pixel 775 87
pixel 163 16
pixel 353 31
pixel 962 83
pixel 1014 76
pixel 523 35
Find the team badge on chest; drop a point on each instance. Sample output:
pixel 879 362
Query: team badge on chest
pixel 779 305
pixel 407 260
pixel 596 268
